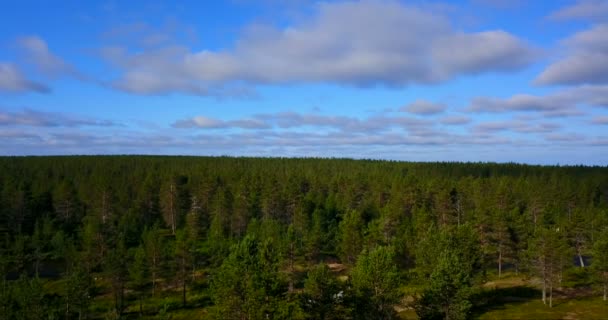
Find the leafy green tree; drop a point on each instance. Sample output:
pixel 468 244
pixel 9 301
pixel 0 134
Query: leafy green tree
pixel 447 295
pixel 154 248
pixel 500 240
pixel 247 285
pixel 80 290
pixel 170 205
pixel 549 254
pixel 351 237
pixel 39 243
pixel 599 264
pixel 182 256
pixel 138 273
pixel 29 297
pixel 375 281
pixel 323 296
pixel 116 271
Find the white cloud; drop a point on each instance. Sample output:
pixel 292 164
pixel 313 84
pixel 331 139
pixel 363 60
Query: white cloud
pixel 34 118
pixel 562 103
pixel 516 126
pixel 38 53
pixel 455 120
pixel 423 107
pixel 602 120
pixel 13 81
pixel 352 43
pixel 585 62
pixel 583 9
pixel 210 123
pixel 294 120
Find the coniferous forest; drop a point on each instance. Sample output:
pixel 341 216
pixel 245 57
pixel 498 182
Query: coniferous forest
pixel 126 237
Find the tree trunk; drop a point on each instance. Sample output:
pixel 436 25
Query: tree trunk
pixel 172 211
pixel 551 295
pixel 580 259
pixel 499 263
pixel 544 291
pixel 67 308
pixel 184 292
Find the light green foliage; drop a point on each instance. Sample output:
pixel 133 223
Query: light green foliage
pixel 323 296
pixel 60 215
pixel 549 255
pixel 351 237
pixel 600 262
pixel 375 281
pixel 80 290
pixel 454 271
pixel 247 285
pixel 448 292
pixel 138 273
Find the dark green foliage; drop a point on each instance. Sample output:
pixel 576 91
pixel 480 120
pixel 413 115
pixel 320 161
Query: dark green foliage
pixel 248 285
pixel 456 264
pixel 600 263
pixel 375 281
pixel 324 296
pixel 549 255
pixel 285 238
pixel 448 293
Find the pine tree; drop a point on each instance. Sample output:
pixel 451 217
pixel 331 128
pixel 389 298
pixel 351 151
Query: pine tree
pixel 181 254
pixel 548 255
pixel 154 248
pixel 138 273
pixel 599 264
pixel 116 271
pixel 447 295
pixel 351 237
pixel 247 285
pixel 375 280
pixel 170 205
pixel 323 296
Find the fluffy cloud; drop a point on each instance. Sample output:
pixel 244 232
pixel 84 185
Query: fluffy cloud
pixel 516 126
pixel 38 53
pixel 455 120
pixel 294 120
pixel 210 123
pixel 47 119
pixel 423 107
pixel 13 81
pixel 585 62
pixel 562 103
pixel 602 120
pixel 352 43
pixel 583 9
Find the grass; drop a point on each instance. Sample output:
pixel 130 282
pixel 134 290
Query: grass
pixel 579 308
pixel 516 297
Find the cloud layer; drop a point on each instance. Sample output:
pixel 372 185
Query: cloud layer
pixel 34 118
pixel 585 61
pixel 583 9
pixel 352 43
pixel 12 80
pixel 38 54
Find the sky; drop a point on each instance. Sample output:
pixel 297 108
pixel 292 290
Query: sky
pixel 469 80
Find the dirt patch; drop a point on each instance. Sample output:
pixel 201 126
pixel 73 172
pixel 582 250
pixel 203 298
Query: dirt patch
pixel 571 316
pixel 336 267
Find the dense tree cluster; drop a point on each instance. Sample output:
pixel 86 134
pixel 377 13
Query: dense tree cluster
pixel 286 238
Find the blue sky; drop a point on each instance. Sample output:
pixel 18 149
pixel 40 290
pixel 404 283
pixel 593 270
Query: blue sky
pixel 470 80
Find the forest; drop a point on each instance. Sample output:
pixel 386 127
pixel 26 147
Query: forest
pixel 175 237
